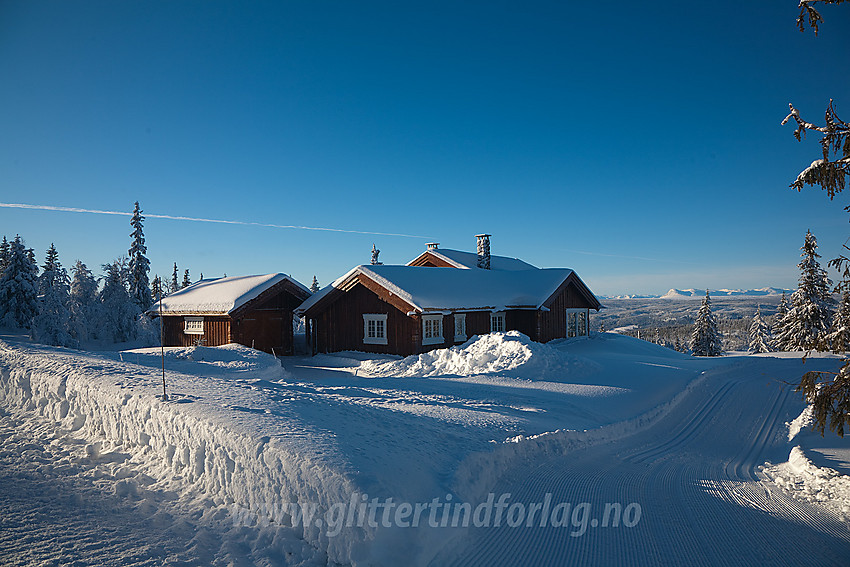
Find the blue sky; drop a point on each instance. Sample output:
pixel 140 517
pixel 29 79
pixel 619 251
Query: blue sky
pixel 640 146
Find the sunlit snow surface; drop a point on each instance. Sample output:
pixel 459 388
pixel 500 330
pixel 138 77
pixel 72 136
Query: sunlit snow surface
pixel 243 431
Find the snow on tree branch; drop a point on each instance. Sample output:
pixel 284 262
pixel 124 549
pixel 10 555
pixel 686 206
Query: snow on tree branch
pixel 829 174
pixel 807 11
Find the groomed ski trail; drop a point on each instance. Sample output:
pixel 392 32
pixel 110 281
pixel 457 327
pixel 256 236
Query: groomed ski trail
pixel 695 474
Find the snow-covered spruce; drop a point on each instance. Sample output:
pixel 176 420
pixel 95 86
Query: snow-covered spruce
pixel 806 324
pixel 706 339
pixel 779 324
pixel 838 339
pixel 760 339
pixel 118 313
pixel 52 325
pixel 174 284
pixel 83 304
pixel 18 288
pixel 139 266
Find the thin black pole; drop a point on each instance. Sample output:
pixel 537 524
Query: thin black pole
pixel 162 345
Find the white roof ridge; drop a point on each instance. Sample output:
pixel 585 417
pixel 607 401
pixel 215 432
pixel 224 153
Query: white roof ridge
pixel 220 295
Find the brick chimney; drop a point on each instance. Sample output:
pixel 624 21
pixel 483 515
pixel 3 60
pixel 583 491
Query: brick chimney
pixel 483 251
pixel 432 245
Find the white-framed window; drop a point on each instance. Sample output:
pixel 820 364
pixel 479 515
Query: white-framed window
pixel 460 327
pixel 577 322
pixel 497 322
pixel 374 329
pixel 432 330
pixel 193 325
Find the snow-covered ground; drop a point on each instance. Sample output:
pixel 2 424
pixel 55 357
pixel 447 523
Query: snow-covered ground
pixel 360 459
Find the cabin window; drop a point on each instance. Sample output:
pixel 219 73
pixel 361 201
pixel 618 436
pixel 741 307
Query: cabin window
pixel 432 330
pixel 497 322
pixel 577 322
pixel 374 329
pixel 460 327
pixel 193 325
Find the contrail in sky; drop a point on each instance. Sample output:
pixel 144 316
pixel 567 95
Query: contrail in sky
pixel 194 219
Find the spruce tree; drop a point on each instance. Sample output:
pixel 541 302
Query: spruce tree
pixel 4 254
pixel 779 323
pixel 808 319
pixel 175 284
pixel 706 339
pixel 139 285
pixel 18 288
pixel 838 339
pixel 759 334
pixel 118 313
pixel 156 289
pixel 31 257
pixel 83 304
pixel 314 287
pixel 186 280
pixel 51 326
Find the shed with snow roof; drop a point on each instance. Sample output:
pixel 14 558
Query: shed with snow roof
pixel 412 309
pixel 254 311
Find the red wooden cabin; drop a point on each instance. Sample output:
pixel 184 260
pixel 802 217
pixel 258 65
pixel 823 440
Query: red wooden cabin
pixel 412 309
pixel 254 311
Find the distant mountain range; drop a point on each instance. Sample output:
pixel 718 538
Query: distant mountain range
pixel 700 293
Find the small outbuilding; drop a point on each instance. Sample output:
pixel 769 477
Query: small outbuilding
pixel 255 311
pixel 412 309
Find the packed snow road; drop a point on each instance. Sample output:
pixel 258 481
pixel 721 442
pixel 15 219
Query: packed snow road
pixel 658 456
pixel 688 490
pixel 60 508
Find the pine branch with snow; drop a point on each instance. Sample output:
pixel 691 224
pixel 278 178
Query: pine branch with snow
pixel 830 174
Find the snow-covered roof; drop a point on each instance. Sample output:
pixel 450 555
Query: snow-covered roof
pixel 220 296
pixel 446 289
pixel 468 260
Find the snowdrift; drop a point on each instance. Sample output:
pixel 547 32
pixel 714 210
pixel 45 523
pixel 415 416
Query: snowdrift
pixel 199 451
pixel 806 474
pixel 495 353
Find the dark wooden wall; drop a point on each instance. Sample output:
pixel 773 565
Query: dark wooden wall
pixel 553 323
pixel 216 331
pixel 267 324
pixel 340 325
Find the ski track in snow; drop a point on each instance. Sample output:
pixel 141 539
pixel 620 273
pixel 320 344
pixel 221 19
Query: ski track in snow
pixel 697 475
pixel 94 471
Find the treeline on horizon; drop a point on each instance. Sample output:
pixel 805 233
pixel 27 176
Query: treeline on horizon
pixel 71 310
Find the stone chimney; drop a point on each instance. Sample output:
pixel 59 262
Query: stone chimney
pixel 375 253
pixel 483 251
pixel 432 245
